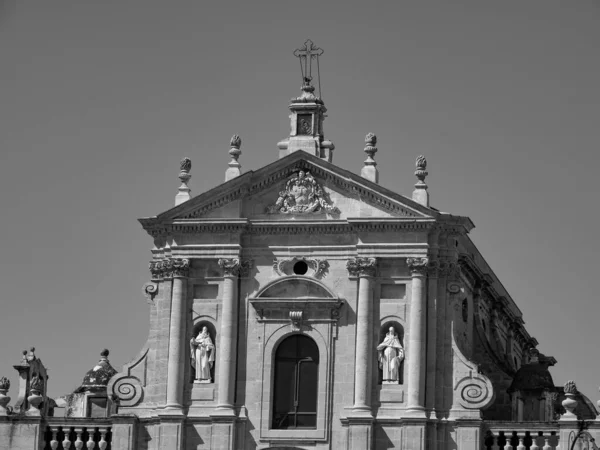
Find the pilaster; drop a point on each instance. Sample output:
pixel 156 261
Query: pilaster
pixel 416 343
pixel 178 269
pixel 364 269
pixel 227 352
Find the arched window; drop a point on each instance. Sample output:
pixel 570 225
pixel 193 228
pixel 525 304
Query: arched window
pixel 296 383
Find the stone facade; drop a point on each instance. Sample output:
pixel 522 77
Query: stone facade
pixel 302 247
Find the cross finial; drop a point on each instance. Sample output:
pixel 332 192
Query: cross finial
pixel 306 55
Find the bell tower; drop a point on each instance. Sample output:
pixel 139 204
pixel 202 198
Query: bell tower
pixel 307 111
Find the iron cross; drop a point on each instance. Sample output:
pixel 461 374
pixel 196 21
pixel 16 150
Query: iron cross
pixel 306 54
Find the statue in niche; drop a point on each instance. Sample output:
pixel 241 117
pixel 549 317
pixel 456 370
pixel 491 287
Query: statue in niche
pixel 202 352
pixel 391 355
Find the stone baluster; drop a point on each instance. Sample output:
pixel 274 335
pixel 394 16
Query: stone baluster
pixel 66 443
pixel 364 269
pixel 178 269
pixel 229 326
pixel 90 444
pixel 416 343
pixel 54 441
pixel 534 445
pixel 102 444
pixel 521 446
pixel 546 443
pixel 78 441
pixel 495 445
pixel 508 446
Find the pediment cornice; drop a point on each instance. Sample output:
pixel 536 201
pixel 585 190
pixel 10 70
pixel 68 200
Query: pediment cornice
pixel 277 172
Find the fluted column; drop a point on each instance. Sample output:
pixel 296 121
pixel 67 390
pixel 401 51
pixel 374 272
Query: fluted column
pixel 227 351
pixel 364 269
pixel 178 269
pixel 416 350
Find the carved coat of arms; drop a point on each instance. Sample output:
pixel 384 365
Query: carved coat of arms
pixel 302 195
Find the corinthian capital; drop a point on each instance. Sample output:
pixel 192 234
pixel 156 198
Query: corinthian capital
pixel 235 267
pixel 362 267
pixel 180 267
pixel 168 268
pixel 418 266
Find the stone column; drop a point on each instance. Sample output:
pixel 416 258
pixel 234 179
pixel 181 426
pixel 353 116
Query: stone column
pixel 179 270
pixel 416 350
pixel 365 269
pixel 228 339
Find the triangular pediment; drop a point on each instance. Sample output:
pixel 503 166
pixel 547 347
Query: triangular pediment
pixel 297 187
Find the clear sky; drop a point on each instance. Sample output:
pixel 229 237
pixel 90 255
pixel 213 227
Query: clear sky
pixel 100 100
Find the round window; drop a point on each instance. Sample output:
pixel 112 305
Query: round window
pixel 300 268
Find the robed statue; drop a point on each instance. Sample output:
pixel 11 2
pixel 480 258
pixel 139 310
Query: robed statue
pixel 202 353
pixel 391 355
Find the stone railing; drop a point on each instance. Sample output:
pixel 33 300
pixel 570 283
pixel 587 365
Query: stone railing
pixel 521 436
pixel 76 433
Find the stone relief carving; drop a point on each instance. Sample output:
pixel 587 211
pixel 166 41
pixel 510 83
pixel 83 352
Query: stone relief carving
pixel 202 354
pixel 168 268
pixel 418 266
pixel 296 319
pixel 150 290
pixel 362 267
pixel 317 268
pixel 302 195
pixel 391 355
pixel 127 390
pixel 235 267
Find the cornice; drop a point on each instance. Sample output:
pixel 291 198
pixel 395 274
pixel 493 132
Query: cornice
pixel 253 227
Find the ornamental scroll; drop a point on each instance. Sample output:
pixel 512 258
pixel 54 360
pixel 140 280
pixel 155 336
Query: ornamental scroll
pixel 302 195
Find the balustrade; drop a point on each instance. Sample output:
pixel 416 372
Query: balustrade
pixel 521 436
pixel 68 436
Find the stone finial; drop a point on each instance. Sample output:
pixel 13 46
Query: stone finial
pixel 570 387
pixel 369 171
pixel 35 399
pixel 184 175
pixel 570 402
pixel 420 194
pixel 4 399
pixel 235 168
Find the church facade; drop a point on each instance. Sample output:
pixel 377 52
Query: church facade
pixel 303 306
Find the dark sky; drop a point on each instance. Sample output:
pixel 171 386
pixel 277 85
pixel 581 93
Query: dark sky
pixel 100 100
